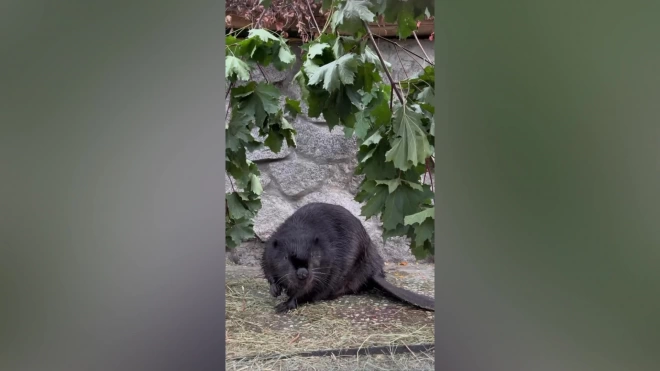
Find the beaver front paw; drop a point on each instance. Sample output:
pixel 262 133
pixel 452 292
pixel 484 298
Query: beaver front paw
pixel 285 306
pixel 275 290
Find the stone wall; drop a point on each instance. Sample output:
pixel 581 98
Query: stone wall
pixel 320 168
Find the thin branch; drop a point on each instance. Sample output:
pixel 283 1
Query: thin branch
pixel 402 66
pixel 382 61
pixel 428 170
pixel 231 182
pixel 406 49
pixel 263 73
pixel 311 14
pixel 231 85
pixel 421 47
pixel 258 23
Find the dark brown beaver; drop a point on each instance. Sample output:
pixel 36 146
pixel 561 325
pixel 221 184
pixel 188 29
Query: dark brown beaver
pixel 322 252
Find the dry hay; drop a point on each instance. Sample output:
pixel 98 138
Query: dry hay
pixel 253 329
pixel 400 362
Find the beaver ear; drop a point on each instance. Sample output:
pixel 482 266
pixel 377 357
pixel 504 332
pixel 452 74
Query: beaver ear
pixel 274 243
pixel 316 240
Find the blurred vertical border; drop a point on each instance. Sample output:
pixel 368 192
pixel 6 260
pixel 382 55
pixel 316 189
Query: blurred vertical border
pixel 112 185
pixel 547 201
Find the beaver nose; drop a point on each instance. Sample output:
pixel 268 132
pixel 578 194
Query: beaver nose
pixel 301 273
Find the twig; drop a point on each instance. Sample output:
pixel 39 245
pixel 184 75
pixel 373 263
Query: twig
pixel 311 14
pixel 421 47
pixel 294 339
pixel 404 70
pixel 402 66
pixel 258 23
pixel 406 49
pixel 263 73
pixel 428 169
pixel 382 61
pixel 231 85
pixel 231 182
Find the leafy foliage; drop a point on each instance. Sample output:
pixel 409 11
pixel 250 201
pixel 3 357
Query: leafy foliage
pixel 341 78
pixel 254 106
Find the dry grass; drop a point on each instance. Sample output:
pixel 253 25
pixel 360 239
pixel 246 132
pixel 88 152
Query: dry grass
pixel 417 362
pixel 253 329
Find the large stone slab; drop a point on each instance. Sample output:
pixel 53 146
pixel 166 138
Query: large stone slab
pixel 274 210
pixel 298 176
pixel 317 142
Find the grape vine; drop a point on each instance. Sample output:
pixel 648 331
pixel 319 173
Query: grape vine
pixel 340 79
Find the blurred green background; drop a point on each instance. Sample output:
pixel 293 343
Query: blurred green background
pixel 548 251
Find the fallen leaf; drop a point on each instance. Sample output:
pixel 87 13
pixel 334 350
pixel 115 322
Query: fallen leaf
pixel 403 263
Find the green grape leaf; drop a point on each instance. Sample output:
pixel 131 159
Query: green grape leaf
pixel 261 34
pixel 257 100
pixel 375 167
pixel 348 132
pixel 239 232
pixel 370 56
pixel 403 201
pixel 316 102
pixel 350 15
pixel 426 95
pixel 236 69
pixel 411 146
pixel 285 55
pixel 280 131
pixel 255 185
pixel 406 22
pixel 292 107
pixel 375 203
pixel 420 216
pixel 341 71
pixel 373 139
pixel 239 208
pixel 331 117
pixel 421 251
pixel 362 124
pixel 316 50
pixel 424 231
pixel 238 136
pixel 379 110
pixel 288 131
pixel 230 39
pixel 274 141
pixel 309 67
pixel 392 184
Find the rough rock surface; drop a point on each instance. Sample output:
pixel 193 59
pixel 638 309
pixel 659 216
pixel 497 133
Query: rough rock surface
pixel 321 167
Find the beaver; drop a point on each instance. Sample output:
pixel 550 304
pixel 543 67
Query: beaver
pixel 322 252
